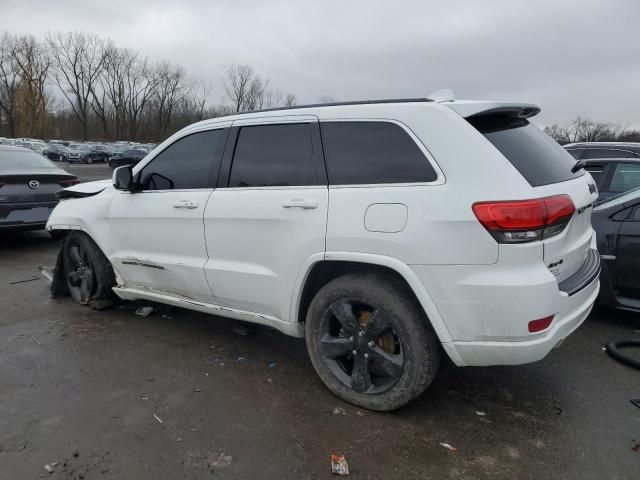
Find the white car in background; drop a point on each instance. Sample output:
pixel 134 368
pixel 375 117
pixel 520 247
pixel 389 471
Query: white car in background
pixel 388 233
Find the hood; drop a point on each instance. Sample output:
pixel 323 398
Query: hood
pixel 86 189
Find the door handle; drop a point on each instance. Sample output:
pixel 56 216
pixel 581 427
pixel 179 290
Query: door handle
pixel 185 204
pixel 299 203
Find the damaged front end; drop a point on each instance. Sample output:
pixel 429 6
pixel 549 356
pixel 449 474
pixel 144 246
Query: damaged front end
pixel 82 272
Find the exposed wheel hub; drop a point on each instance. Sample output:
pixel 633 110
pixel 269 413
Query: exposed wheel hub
pixel 360 347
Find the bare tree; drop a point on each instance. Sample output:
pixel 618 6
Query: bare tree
pixel 558 133
pixel 244 88
pixel 33 65
pixel 9 82
pixel 78 61
pixel 140 84
pixel 290 100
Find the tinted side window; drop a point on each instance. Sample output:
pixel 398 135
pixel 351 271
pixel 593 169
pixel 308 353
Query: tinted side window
pixel 608 153
pixel 273 155
pixel 625 177
pixel 373 152
pixel 187 163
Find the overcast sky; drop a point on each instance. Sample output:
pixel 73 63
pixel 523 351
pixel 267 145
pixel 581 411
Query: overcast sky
pixel 570 57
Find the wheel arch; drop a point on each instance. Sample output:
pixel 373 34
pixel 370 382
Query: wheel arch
pixel 334 264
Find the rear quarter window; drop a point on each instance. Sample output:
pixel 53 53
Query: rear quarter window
pixel 366 152
pixel 538 158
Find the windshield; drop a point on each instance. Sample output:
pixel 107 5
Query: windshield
pixel 26 160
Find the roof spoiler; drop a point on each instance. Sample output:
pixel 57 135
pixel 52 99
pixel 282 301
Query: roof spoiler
pixel 469 109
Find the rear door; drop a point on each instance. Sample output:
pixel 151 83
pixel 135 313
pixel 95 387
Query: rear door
pixel 269 214
pixel 157 234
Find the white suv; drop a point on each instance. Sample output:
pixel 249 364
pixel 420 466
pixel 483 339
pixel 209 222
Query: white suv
pixel 385 232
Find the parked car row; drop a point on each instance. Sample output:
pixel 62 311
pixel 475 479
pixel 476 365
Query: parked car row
pixel 84 152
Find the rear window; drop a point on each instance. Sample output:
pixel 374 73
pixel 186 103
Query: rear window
pixel 26 160
pixel 538 158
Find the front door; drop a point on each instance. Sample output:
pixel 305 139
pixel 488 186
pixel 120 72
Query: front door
pixel 269 214
pixel 157 233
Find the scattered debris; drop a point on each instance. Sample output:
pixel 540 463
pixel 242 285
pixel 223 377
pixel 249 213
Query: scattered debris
pixel 636 448
pixel 448 447
pixel 604 349
pixel 269 380
pixel 157 418
pixel 193 429
pixel 46 273
pixel 48 468
pixel 151 379
pixel 197 390
pixel 272 365
pixel 242 330
pixel 339 411
pixel 239 360
pixel 636 402
pixel 339 465
pixel 219 461
pixel 360 414
pixel 145 311
pixel 168 317
pixel 558 410
pixel 24 281
pixel 36 340
pixel 480 413
pixel 144 398
pixel 76 453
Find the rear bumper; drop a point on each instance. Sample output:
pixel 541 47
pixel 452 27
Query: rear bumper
pixel 486 309
pixel 514 353
pixel 25 216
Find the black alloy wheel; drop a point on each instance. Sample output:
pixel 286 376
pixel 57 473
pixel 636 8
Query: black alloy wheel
pixel 359 346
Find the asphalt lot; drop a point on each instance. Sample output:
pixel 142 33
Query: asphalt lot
pixel 178 394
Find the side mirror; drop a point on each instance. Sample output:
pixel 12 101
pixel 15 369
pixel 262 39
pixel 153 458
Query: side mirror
pixel 123 178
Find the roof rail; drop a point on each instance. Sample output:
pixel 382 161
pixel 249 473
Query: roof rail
pixel 338 104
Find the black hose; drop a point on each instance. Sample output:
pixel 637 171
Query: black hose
pixel 613 349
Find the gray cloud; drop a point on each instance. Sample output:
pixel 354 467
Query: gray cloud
pixel 570 57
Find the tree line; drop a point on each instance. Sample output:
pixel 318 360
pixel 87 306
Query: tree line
pixel 583 129
pixel 75 85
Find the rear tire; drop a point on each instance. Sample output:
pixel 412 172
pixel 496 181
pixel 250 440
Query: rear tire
pixel 88 273
pixel 382 352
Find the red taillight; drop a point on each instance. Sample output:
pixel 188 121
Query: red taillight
pixel 68 183
pixel 525 220
pixel 540 324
